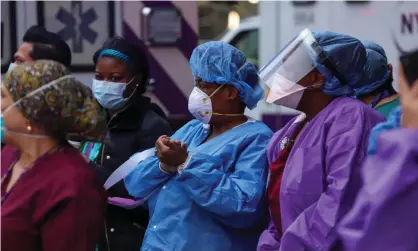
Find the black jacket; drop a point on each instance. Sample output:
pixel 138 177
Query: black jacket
pixel 132 130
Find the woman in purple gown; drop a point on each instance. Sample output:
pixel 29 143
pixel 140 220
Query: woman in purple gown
pixel 384 214
pixel 315 158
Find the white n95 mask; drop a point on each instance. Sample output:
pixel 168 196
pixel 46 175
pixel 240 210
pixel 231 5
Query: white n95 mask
pixel 287 94
pixel 200 105
pixel 291 100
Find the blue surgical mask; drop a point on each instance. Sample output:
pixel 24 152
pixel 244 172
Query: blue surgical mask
pixel 11 67
pixel 110 94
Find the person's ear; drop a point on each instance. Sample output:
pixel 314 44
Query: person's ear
pixel 390 68
pixel 28 126
pixel 319 78
pixel 133 86
pixel 232 93
pixel 137 81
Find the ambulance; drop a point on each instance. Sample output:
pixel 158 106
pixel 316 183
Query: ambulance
pixel 166 30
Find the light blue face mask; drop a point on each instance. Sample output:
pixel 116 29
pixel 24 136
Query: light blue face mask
pixel 110 94
pixel 11 67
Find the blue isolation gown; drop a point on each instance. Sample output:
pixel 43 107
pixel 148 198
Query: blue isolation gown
pixel 217 202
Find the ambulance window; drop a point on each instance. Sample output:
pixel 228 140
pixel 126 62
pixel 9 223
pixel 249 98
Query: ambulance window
pixel 247 42
pixel 303 3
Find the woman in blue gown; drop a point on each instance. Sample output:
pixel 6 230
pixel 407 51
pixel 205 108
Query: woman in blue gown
pixel 205 185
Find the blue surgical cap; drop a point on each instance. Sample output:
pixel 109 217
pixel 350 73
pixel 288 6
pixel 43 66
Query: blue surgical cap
pixel 375 47
pixel 348 56
pixel 376 71
pixel 221 63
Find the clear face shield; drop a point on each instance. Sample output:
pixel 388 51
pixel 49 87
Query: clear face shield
pixel 286 75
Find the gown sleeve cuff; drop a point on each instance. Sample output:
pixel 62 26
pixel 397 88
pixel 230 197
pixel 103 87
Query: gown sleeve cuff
pixel 183 166
pixel 162 170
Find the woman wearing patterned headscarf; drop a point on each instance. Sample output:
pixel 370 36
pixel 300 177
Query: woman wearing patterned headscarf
pixel 50 197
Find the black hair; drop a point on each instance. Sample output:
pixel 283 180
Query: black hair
pixel 47 45
pixel 138 62
pixel 62 139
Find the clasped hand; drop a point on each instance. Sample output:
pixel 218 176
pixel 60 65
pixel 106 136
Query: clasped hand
pixel 171 153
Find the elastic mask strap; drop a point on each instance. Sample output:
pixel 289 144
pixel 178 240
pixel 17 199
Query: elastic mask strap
pixel 130 81
pixel 217 89
pixel 211 95
pixel 312 86
pixel 130 96
pixel 220 114
pixel 36 136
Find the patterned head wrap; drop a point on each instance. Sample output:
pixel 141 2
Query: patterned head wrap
pixel 47 95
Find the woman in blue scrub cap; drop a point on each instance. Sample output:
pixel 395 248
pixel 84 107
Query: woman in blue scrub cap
pixel 315 159
pixel 205 184
pixel 377 90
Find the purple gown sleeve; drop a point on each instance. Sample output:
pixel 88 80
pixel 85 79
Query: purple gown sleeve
pixel 384 216
pixel 346 146
pixel 269 239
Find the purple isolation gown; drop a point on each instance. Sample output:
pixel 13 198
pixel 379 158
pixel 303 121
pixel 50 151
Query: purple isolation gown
pixel 384 216
pixel 322 175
